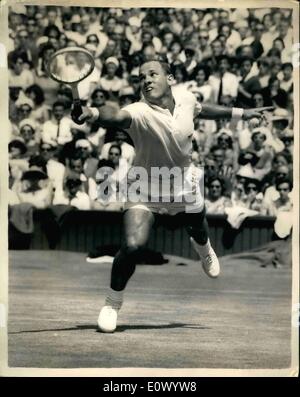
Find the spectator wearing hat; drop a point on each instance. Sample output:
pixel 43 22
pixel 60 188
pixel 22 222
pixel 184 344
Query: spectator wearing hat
pixel 41 111
pixel 90 163
pixel 222 81
pixel 110 82
pixel 248 84
pixel 29 134
pixel 279 124
pixel 57 130
pixel 24 106
pixel 35 187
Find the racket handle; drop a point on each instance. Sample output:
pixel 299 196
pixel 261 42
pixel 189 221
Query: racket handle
pixel 76 111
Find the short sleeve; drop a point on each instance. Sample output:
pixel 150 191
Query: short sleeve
pixel 137 112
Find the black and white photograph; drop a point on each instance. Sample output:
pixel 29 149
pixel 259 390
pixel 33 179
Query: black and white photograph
pixel 149 188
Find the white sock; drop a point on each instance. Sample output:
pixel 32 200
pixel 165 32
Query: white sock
pixel 203 249
pixel 114 299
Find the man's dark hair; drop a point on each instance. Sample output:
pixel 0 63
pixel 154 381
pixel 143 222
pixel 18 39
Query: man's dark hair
pixel 58 103
pixel 114 146
pixel 165 66
pixel 284 180
pixel 286 65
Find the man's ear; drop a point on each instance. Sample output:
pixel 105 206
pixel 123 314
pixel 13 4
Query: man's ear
pixel 170 79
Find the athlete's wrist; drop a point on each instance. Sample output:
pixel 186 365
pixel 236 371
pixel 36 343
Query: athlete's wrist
pixel 237 113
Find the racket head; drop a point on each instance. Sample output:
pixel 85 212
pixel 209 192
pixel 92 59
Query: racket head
pixel 70 65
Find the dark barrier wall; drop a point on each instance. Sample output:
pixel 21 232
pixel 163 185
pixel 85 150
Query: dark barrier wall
pixel 84 230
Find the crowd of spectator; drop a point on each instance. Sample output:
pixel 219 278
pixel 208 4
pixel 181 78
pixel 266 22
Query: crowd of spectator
pixel 232 57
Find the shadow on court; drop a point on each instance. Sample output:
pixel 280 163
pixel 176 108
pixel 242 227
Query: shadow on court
pixel 121 328
pixel 172 317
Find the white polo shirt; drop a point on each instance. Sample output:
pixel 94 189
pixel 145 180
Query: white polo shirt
pixel 160 138
pixel 165 140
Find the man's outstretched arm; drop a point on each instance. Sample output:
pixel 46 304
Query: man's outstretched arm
pixel 217 112
pixel 107 116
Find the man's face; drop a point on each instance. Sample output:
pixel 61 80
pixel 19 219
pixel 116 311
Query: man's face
pixel 154 81
pixel 218 156
pixel 224 17
pixel 246 66
pixel 216 47
pixel 52 15
pixel 258 31
pixel 76 165
pixel 58 112
pixel 284 190
pixel 120 137
pixel 47 151
pixel 225 31
pixel 224 66
pixel 258 140
pixel 287 72
pixel 114 155
pixel 283 28
pixel 167 39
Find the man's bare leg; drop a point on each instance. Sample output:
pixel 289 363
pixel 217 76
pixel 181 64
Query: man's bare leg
pixel 199 233
pixel 137 226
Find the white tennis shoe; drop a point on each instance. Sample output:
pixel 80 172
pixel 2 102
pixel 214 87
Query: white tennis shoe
pixel 209 259
pixel 107 320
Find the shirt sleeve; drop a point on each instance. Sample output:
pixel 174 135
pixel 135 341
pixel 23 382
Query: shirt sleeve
pixel 137 112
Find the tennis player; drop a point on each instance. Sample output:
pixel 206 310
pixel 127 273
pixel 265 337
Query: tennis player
pixel 161 127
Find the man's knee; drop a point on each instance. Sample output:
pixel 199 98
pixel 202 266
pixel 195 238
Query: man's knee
pixel 133 248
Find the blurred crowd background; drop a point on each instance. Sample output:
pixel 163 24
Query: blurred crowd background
pixel 233 57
